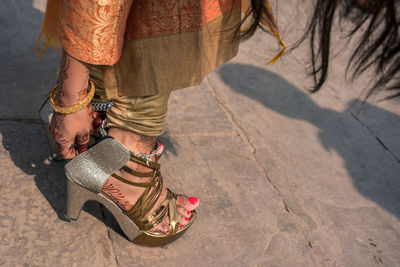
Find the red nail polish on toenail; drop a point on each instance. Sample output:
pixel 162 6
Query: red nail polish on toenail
pixel 193 200
pixel 180 226
pixel 188 213
pixel 187 219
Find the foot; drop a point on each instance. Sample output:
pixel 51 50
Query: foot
pixel 126 195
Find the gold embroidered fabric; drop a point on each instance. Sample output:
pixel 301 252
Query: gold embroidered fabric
pixel 150 66
pixel 153 18
pixel 148 47
pixel 93 30
pixel 100 24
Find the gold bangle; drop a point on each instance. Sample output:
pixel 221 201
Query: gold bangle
pixel 74 108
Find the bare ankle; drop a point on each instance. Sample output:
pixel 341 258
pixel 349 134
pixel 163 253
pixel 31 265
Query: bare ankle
pixel 134 142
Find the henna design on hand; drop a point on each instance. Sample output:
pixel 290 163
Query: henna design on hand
pixel 61 141
pixel 72 129
pixel 82 94
pixel 82 139
pixel 65 64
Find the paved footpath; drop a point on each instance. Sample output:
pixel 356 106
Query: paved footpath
pixel 285 178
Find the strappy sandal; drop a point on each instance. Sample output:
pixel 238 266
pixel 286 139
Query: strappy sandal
pixel 87 173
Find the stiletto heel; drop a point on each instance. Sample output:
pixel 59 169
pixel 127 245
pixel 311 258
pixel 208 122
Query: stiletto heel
pixel 87 173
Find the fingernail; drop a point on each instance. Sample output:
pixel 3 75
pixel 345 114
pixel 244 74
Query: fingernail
pixel 82 148
pixel 97 122
pixel 187 219
pixel 180 226
pixel 188 213
pixel 193 200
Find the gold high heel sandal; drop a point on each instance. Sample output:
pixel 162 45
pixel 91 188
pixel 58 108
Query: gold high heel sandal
pixel 87 173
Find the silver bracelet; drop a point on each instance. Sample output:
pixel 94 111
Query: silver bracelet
pixel 146 156
pixel 101 106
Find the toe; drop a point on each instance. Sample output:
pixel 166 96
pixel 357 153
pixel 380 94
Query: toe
pixel 184 220
pixel 163 227
pixel 183 212
pixel 184 205
pixel 185 215
pixel 189 203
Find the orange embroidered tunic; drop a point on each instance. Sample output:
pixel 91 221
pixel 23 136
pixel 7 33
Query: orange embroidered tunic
pixel 145 47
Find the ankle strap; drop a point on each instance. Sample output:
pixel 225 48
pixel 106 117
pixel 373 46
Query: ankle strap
pixel 143 162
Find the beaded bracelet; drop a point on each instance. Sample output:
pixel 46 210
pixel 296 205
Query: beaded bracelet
pixel 74 108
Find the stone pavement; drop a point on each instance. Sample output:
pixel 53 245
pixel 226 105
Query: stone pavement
pixel 285 178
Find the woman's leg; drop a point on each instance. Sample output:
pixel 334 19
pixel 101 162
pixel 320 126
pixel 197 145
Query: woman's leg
pixel 136 122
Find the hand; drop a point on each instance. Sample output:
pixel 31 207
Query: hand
pixel 72 131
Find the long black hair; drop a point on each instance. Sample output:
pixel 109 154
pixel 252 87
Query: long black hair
pixel 378 48
pixel 260 16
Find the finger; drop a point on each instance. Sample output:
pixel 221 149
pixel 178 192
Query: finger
pixel 66 147
pixel 97 121
pixel 64 140
pixel 82 148
pixel 82 141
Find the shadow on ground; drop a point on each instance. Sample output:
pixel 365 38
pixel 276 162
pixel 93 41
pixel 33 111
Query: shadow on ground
pixel 25 82
pixel 26 143
pixel 369 177
pixel 27 146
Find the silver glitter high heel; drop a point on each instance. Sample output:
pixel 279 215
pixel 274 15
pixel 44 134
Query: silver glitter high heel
pixel 87 173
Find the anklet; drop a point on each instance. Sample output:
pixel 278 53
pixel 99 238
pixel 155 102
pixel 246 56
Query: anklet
pixel 103 130
pixel 98 106
pixel 146 156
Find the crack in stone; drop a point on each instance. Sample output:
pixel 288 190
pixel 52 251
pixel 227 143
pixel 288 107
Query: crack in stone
pixel 357 118
pixel 245 137
pixel 385 147
pixel 103 214
pixel 112 247
pixel 268 245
